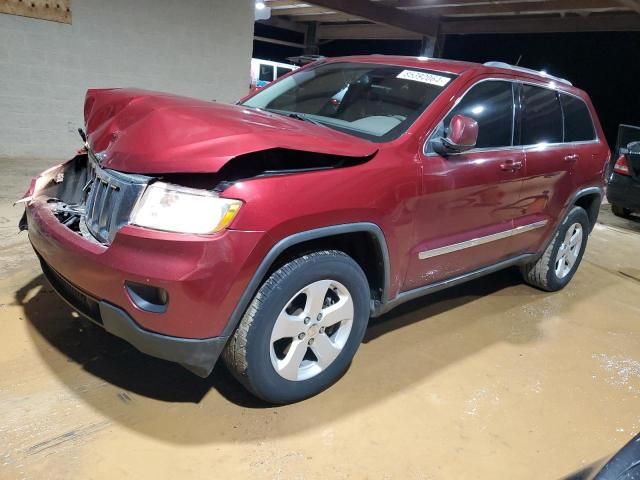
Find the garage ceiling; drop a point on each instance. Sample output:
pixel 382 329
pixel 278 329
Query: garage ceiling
pixel 415 19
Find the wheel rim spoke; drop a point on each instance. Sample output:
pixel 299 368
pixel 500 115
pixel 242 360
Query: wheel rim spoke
pixel 289 366
pixel 569 251
pixel 338 312
pixel 576 238
pixel 325 350
pixel 316 293
pixel 559 265
pixel 287 326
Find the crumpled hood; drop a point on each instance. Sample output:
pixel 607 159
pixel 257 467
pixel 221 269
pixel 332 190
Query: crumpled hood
pixel 145 132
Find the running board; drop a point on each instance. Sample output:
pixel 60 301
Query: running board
pixel 381 308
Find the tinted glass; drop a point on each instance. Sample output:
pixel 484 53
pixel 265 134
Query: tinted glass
pixel 578 126
pixel 280 71
pixel 542 116
pixel 266 73
pixel 377 102
pixel 491 105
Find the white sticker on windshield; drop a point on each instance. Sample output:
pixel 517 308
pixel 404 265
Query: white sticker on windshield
pixel 424 77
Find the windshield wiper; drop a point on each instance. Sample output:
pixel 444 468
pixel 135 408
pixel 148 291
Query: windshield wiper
pixel 304 118
pixel 296 115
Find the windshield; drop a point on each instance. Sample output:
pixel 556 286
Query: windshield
pixel 372 101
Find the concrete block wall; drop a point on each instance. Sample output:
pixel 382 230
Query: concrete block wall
pixel 199 48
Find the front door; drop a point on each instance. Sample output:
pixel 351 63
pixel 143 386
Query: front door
pixel 466 213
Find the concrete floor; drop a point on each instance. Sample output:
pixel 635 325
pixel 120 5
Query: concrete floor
pixel 490 380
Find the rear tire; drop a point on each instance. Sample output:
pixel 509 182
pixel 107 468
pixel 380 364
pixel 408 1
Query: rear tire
pixel 302 328
pixel 619 211
pixel 560 261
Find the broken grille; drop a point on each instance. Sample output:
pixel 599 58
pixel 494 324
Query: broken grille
pixel 110 199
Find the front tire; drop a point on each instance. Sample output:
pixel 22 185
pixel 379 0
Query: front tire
pixel 302 328
pixel 560 261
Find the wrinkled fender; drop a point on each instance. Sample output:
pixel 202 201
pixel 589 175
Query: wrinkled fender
pixel 287 242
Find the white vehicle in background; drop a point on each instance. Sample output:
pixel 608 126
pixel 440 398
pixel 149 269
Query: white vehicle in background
pixel 264 72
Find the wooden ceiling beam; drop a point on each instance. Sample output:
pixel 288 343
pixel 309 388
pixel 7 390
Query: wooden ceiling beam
pixel 383 14
pixel 294 11
pixel 447 3
pixel 328 17
pixel 633 4
pixel 364 32
pixel 592 23
pixel 551 6
pixel 285 24
pixel 283 3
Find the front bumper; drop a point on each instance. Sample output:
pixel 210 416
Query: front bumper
pixel 198 356
pixel 203 275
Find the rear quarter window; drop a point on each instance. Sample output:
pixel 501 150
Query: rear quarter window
pixel 578 126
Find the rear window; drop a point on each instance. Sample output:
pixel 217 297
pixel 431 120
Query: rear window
pixel 578 126
pixel 542 116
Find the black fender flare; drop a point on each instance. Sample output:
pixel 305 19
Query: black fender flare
pixel 584 192
pixel 300 237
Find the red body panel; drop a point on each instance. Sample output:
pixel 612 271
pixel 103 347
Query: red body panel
pixel 203 275
pixel 145 132
pixel 421 202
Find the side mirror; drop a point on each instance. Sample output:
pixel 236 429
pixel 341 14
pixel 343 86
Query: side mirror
pixel 462 135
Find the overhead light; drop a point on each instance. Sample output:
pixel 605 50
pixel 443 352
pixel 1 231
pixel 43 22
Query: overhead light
pixel 261 12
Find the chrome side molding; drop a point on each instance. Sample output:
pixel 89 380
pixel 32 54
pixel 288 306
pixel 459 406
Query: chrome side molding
pixel 474 242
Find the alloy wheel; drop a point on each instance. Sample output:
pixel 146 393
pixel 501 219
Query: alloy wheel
pixel 569 250
pixel 311 330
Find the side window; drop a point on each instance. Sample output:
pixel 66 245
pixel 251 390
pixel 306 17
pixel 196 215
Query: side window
pixel 542 116
pixel 280 71
pixel 490 104
pixel 578 126
pixel 266 73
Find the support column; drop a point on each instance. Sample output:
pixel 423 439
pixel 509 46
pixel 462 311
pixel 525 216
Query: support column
pixel 311 39
pixel 428 47
pixel 433 47
pixel 441 39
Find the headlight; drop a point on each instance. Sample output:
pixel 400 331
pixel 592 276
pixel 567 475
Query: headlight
pixel 186 210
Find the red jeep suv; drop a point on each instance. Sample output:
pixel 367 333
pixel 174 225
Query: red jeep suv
pixel 269 231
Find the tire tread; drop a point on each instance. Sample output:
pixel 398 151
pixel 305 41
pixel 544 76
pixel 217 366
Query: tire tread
pixel 537 273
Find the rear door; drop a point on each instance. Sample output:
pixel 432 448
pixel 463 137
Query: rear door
pixel 554 149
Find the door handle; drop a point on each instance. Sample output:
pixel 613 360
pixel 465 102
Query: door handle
pixel 571 158
pixel 511 165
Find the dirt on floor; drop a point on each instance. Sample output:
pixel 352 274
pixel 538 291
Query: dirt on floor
pixel 493 379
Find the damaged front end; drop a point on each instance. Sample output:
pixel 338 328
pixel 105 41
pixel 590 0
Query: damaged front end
pixel 87 199
pixel 96 202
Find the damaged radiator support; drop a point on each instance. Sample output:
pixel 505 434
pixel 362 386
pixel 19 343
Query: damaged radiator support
pixel 93 201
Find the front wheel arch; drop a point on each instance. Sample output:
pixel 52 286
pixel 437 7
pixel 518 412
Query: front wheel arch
pixel 318 239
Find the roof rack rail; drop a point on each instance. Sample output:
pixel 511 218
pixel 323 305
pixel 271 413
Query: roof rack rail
pixel 526 70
